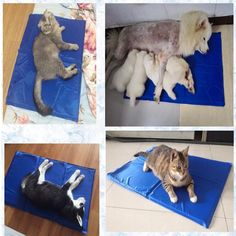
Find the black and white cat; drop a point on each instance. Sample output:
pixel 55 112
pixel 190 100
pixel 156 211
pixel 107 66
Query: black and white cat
pixel 50 196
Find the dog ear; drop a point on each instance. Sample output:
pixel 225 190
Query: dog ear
pixel 201 24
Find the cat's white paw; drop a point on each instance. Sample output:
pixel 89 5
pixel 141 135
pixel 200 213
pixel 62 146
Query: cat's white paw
pixel 174 199
pixel 173 97
pixel 75 46
pixel 193 199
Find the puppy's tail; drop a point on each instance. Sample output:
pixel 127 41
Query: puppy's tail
pixel 143 154
pixel 111 44
pixel 41 107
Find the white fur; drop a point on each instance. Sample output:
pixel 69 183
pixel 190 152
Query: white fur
pixel 152 67
pixel 174 199
pixel 193 199
pixel 122 76
pixel 136 86
pixel 176 70
pixel 195 31
pixel 42 170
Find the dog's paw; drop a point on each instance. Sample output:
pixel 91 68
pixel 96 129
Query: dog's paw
pixel 193 199
pixel 173 97
pixel 157 99
pixel 174 199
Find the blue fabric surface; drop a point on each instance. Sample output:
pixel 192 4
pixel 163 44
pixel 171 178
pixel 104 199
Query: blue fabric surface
pixel 25 163
pixel 62 95
pixel 207 73
pixel 209 177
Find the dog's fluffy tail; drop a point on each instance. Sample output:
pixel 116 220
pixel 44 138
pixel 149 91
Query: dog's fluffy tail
pixel 143 154
pixel 111 44
pixel 42 108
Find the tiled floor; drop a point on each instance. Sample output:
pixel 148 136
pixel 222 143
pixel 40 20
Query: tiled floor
pixel 127 211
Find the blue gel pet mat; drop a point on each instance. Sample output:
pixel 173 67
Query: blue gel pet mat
pixel 62 95
pixel 25 163
pixel 209 177
pixel 207 73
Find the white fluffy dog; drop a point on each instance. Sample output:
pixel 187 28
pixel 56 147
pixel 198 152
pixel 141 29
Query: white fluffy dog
pixel 177 71
pixel 122 76
pixel 136 86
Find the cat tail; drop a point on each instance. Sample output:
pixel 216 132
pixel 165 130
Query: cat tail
pixel 43 109
pixel 143 154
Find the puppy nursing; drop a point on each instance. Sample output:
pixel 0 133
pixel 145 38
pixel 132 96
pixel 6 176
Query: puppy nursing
pixel 136 85
pixel 50 196
pixel 123 75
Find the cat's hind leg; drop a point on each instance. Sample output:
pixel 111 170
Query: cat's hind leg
pixel 145 167
pixel 66 72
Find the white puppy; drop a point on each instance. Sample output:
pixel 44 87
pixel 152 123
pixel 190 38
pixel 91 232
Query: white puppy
pixel 136 85
pixel 177 71
pixel 152 67
pixel 122 76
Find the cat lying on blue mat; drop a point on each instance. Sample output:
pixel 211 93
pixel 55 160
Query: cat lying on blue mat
pixel 171 167
pixel 50 196
pixel 46 49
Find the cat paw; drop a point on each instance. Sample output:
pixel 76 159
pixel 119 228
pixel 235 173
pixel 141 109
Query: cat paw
pixel 72 66
pixel 193 199
pixel 174 199
pixel 62 28
pixel 74 46
pixel 75 71
pixel 145 168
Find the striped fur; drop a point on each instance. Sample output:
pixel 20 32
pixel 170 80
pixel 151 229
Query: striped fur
pixel 171 167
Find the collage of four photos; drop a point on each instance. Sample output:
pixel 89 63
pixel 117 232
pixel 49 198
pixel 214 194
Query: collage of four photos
pixel 140 97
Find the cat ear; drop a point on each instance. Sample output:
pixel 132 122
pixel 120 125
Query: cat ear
pixel 185 151
pixel 173 154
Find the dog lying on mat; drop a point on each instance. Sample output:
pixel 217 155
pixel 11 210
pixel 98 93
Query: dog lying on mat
pixel 50 196
pixel 166 39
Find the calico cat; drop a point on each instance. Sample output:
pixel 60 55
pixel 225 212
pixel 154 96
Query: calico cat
pixel 171 167
pixel 46 49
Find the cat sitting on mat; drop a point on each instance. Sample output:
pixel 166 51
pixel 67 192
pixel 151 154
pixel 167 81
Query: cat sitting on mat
pixel 46 49
pixel 171 167
pixel 50 196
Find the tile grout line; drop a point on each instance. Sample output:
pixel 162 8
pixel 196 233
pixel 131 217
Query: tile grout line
pixel 224 214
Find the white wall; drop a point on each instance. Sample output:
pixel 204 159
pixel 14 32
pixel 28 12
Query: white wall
pixel 125 14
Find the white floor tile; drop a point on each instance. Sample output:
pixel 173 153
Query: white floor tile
pixel 118 153
pixel 230 224
pixel 128 220
pixel 222 153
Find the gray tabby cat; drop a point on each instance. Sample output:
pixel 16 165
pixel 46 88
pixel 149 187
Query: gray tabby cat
pixel 171 167
pixel 46 49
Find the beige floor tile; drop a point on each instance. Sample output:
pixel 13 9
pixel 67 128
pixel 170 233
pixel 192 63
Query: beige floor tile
pixel 228 196
pixel 230 224
pixel 222 153
pixel 191 115
pixel 118 196
pixel 153 221
pixel 118 154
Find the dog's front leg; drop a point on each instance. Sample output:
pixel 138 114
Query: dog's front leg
pixel 159 85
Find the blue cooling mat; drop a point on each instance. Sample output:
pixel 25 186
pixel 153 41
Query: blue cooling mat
pixel 24 163
pixel 62 95
pixel 207 73
pixel 209 177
